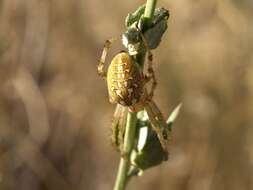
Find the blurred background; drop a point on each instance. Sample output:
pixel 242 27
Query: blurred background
pixel 54 111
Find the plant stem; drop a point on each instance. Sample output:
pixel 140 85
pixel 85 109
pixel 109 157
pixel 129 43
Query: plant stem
pixel 149 12
pixel 130 133
pixel 127 148
pixel 147 20
pixel 150 8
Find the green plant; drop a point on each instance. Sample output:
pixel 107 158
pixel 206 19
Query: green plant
pixel 140 131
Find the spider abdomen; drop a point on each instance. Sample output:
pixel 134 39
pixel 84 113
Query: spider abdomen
pixel 125 80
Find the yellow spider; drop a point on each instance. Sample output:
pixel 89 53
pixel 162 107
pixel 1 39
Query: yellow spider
pixel 127 88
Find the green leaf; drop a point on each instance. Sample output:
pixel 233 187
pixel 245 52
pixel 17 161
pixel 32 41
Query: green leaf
pixel 154 34
pixel 160 14
pixel 173 116
pixel 135 16
pixel 148 152
pixel 152 153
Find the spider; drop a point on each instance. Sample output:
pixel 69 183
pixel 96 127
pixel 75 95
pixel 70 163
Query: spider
pixel 126 83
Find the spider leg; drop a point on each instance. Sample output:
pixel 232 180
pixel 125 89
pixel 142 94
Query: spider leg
pixel 151 75
pixel 150 72
pixel 101 65
pixel 118 129
pixel 158 123
pixel 122 127
pixel 118 126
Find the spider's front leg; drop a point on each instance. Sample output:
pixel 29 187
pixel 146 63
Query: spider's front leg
pixel 101 65
pixel 151 76
pixel 150 73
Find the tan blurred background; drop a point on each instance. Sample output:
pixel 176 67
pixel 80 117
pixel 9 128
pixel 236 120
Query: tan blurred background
pixel 54 110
